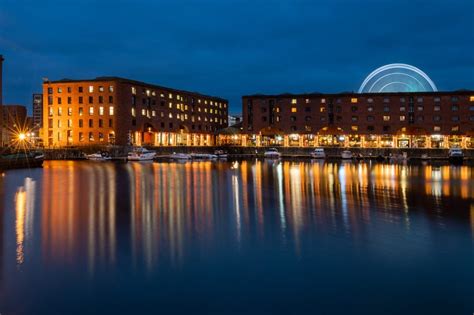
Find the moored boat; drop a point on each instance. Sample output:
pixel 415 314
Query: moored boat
pixel 346 155
pixel 318 153
pixel 221 154
pixel 21 160
pixel 203 156
pixel 272 153
pixel 99 156
pixel 141 154
pixel 180 156
pixel 456 155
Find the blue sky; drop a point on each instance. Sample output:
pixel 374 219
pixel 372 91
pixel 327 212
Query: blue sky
pixel 229 48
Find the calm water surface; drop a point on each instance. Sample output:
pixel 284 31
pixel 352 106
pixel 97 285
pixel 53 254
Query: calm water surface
pixel 254 237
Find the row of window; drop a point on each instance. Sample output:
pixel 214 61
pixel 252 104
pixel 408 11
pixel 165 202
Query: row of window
pixel 369 118
pixel 148 92
pixel 80 89
pixel 101 111
pixel 338 109
pixel 385 129
pixel 81 137
pixel 354 100
pixel 81 123
pixel 179 106
pixel 80 100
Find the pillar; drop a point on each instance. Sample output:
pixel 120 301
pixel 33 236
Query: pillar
pixel 286 141
pixel 301 141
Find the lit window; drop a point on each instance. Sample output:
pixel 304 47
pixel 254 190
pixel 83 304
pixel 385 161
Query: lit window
pixel 101 89
pixel 69 122
pixel 134 90
pixel 471 98
pixel 293 109
pixel 91 89
pixel 386 118
pixel 91 110
pixel 170 95
pixel 438 99
pixel 354 128
pixel 306 101
pixel 69 111
pixel 420 99
pixel 436 128
pixel 354 100
pixel 153 113
pixel 148 92
pixel 111 88
pixel 170 105
pixel 143 112
pixel 402 118
pixel 437 108
pixel 111 110
pixel 101 110
pixel 170 115
pixel 293 101
pixel 402 108
pixel 323 100
pixel 133 111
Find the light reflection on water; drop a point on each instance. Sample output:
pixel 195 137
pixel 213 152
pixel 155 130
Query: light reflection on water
pixel 98 218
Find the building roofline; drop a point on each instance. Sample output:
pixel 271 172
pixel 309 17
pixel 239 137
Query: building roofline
pixel 355 94
pixel 130 81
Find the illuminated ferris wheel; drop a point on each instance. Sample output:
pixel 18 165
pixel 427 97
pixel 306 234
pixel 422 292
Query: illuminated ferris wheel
pixel 397 77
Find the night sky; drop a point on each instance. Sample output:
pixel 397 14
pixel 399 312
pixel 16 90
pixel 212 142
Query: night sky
pixel 229 48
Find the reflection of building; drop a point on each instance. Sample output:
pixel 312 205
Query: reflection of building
pixel 234 119
pixel 121 111
pixel 14 120
pixel 422 120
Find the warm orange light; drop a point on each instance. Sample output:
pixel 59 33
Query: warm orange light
pixel 22 136
pixel 353 100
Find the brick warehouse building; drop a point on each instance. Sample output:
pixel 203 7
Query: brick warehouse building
pixel 112 110
pixel 400 120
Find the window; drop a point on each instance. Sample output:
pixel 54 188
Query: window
pixel 101 123
pixel 133 112
pixel 81 136
pixel 91 123
pixel 101 99
pixel 355 118
pixel 354 128
pixel 370 118
pixel 69 111
pixel 60 90
pixel 307 118
pixel 420 108
pixel 370 108
pixel 59 101
pixel 437 99
pixel 386 109
pixel 402 118
pixel 81 100
pixel 437 108
pixel 50 100
pixel 354 100
pixel 420 99
pixel 455 118
pixel 91 110
pixel 293 109
pixel 60 111
pixel 354 108
pixel 370 100
pixel 306 101
pixel 50 90
pixel 101 89
pixel 91 136
pixel 80 89
pixel 91 89
pixel 111 110
pixel 386 100
pixel 111 99
pixel 436 128
pixel 323 101
pixel 420 118
pixel 81 123
pixel 91 99
pixel 307 109
pixel 436 118
pixel 455 128
pixel 471 118
pixel 69 123
pixel 51 112
pixel 386 118
pixel 402 108
pixel 101 110
pixel 111 88
pixel 454 99
pixel 402 100
pixel 101 136
pixel 293 101
pixel 454 107
pixel 110 123
pixel 293 118
pixel 81 111
pixel 69 100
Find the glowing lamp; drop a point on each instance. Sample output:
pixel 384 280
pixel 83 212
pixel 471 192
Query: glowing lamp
pixel 21 136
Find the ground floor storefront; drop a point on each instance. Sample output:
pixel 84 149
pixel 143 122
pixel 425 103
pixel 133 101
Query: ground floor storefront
pixel 150 138
pixel 349 141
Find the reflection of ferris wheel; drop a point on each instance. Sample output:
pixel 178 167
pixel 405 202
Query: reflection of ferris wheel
pixel 397 77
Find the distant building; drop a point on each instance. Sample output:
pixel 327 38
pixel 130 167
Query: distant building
pixel 37 112
pixel 234 119
pixel 13 122
pixel 112 110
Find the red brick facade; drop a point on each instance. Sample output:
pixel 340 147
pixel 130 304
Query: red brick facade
pixel 121 111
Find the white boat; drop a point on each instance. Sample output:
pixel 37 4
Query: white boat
pixel 141 154
pixel 221 154
pixel 425 157
pixel 456 155
pixel 203 156
pixel 318 153
pixel 180 156
pixel 272 153
pixel 99 156
pixel 346 155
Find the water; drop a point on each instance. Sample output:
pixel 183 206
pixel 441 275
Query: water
pixel 254 237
